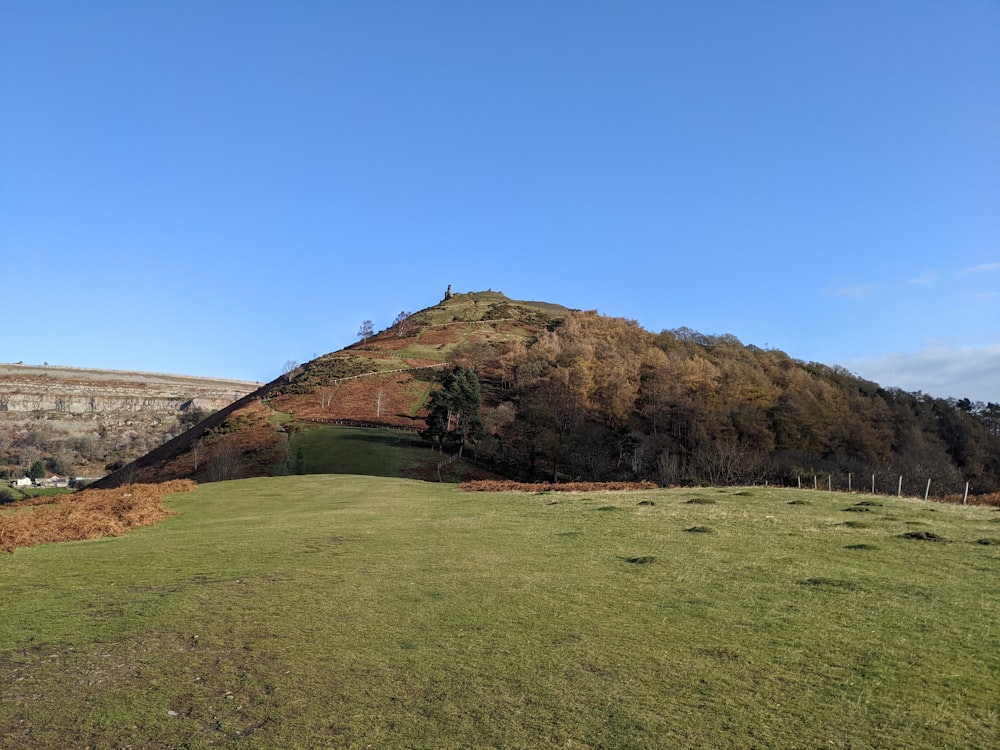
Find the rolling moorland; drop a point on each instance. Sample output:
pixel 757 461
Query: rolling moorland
pixel 557 394
pixel 334 598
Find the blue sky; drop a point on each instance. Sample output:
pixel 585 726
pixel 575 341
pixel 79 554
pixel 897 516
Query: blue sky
pixel 215 188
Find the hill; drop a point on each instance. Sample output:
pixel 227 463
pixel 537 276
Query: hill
pixel 575 395
pixel 79 420
pixel 383 381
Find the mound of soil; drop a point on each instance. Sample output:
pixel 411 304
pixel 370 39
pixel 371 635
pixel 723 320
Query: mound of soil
pixel 923 536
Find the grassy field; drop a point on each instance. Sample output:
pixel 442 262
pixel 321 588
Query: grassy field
pixel 356 450
pixel 9 494
pixel 379 452
pixel 342 611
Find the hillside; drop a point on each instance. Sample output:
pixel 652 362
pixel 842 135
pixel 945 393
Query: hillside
pixel 383 381
pixel 575 395
pixel 78 420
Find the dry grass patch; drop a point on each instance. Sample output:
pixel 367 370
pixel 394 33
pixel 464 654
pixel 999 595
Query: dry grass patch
pixel 90 514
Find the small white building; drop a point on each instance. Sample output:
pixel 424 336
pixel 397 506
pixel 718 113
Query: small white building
pixel 22 482
pixel 53 481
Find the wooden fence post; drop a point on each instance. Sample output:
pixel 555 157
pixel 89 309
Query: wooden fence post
pixel 965 497
pixel 899 489
pixel 928 490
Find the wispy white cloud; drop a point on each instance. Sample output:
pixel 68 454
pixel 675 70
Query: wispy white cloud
pixel 984 268
pixel 940 369
pixel 929 278
pixel 853 292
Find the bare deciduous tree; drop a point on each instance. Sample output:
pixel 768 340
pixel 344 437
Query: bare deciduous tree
pixel 366 331
pixel 29 454
pixel 226 462
pixel 402 324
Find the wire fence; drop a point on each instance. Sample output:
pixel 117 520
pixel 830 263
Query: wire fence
pixel 897 485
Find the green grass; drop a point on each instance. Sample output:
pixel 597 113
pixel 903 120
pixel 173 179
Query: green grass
pixel 352 450
pixel 10 495
pixel 47 491
pixel 343 611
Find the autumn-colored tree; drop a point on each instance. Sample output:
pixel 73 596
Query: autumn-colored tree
pixel 601 398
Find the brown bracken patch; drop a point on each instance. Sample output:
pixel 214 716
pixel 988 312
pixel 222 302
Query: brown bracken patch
pixel 90 514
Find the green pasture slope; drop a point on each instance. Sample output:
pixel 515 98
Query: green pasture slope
pixel 380 452
pixel 353 612
pixel 377 452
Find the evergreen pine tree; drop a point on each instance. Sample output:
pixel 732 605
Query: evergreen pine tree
pixel 37 470
pixel 455 409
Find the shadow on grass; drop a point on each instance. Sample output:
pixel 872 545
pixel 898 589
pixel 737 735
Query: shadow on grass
pixel 394 440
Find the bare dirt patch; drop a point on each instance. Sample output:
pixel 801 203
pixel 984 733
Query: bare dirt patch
pixel 923 536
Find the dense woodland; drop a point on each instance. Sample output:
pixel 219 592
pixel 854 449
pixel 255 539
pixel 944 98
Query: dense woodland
pixel 599 398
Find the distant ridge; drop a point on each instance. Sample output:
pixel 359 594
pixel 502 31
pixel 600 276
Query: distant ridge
pixel 90 373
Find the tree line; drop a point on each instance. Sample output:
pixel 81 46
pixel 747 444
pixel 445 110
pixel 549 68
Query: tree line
pixel 601 399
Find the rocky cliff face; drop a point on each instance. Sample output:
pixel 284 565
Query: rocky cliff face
pixel 49 409
pixel 22 394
